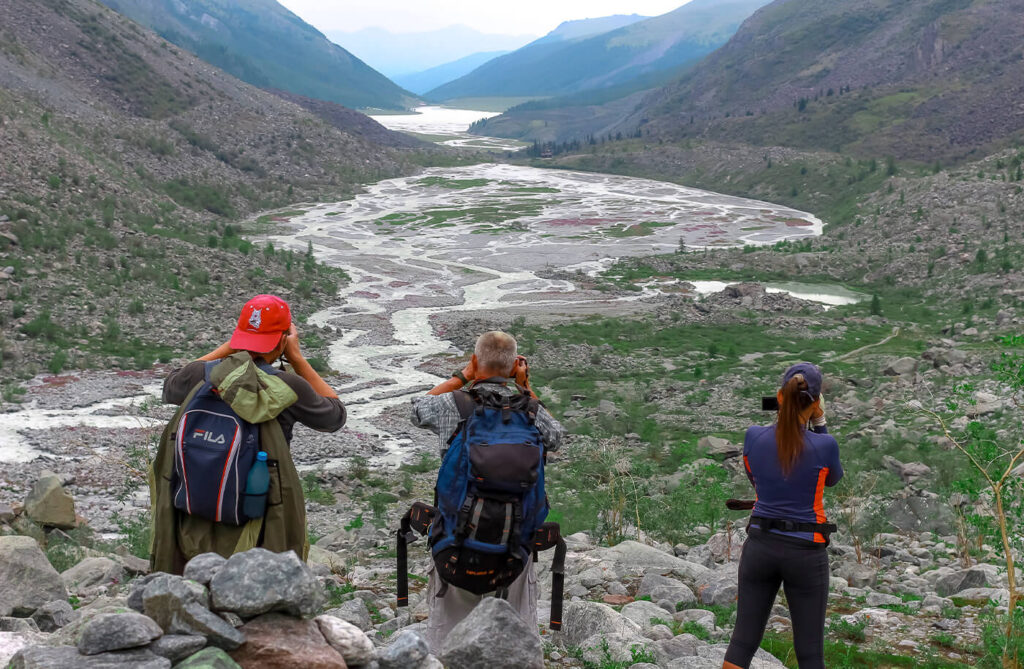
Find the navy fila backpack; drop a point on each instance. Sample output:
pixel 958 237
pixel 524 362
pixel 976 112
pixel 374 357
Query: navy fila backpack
pixel 490 502
pixel 214 450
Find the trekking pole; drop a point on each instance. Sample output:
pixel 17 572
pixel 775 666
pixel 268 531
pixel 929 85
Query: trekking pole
pixel 402 553
pixel 557 585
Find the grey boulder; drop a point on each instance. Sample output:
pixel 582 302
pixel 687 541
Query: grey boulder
pixel 49 504
pixel 720 588
pixel 138 586
pixel 259 581
pixel 202 568
pixel 582 620
pixel 408 650
pixel 353 611
pixel 667 650
pixel 117 631
pixel 643 613
pixel 901 367
pixel 51 616
pixel 959 581
pixel 923 512
pixel 68 657
pixel 638 557
pixel 493 635
pixel 716 447
pixel 714 655
pixel 92 572
pixel 176 647
pixel 659 587
pixel 347 639
pixel 29 581
pixel 177 606
pixel 18 625
pixel 857 575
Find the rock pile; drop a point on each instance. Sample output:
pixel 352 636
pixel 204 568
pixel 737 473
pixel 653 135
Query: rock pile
pixel 634 604
pixel 255 609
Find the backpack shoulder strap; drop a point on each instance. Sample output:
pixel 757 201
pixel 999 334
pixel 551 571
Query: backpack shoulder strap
pixel 269 369
pixel 465 403
pixel 208 369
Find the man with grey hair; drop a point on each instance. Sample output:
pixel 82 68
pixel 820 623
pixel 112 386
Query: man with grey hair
pixel 496 366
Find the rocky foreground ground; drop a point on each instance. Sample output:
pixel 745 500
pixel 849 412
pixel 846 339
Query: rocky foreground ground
pixel 630 605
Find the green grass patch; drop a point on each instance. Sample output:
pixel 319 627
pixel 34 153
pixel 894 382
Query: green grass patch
pixel 453 184
pixel 314 491
pixel 840 655
pixel 488 104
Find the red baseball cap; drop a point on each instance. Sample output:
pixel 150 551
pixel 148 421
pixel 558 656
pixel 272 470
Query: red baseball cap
pixel 264 319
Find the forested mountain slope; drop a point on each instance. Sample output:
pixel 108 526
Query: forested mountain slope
pixel 921 79
pixel 547 67
pixel 264 44
pixel 125 163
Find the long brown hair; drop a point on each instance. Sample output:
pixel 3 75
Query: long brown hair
pixel 789 431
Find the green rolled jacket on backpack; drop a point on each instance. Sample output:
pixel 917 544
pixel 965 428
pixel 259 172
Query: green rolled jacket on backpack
pixel 257 397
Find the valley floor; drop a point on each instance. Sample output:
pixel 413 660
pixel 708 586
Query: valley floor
pixel 657 390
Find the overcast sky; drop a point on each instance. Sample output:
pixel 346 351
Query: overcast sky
pixel 532 17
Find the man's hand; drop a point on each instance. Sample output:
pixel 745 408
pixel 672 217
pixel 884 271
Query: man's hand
pixel 469 371
pixel 291 344
pixel 521 372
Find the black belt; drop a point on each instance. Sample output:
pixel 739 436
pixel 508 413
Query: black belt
pixel 766 524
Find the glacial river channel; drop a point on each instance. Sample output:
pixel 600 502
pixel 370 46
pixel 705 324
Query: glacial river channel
pixel 474 239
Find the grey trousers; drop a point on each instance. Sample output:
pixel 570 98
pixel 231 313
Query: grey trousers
pixel 448 611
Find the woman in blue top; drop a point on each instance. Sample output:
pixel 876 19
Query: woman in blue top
pixel 789 466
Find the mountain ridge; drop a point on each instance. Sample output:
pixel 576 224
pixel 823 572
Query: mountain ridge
pixel 401 54
pixel 580 28
pixel 421 82
pixel 562 67
pixel 264 44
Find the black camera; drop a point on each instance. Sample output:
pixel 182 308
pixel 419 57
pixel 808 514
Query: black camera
pixel 770 403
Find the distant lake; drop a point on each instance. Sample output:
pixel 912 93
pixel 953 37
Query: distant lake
pixel 443 125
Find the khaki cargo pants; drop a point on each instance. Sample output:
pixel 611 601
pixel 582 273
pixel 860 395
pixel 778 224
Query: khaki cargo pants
pixel 448 611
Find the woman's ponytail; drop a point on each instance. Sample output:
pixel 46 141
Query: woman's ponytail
pixel 789 432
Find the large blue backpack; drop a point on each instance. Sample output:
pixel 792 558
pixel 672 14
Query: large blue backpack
pixel 490 501
pixel 214 450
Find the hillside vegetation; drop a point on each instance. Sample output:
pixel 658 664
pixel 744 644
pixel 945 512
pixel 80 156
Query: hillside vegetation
pixel 870 77
pixel 264 44
pixel 559 67
pixel 863 76
pixel 126 165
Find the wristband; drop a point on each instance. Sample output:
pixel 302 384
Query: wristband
pixel 461 377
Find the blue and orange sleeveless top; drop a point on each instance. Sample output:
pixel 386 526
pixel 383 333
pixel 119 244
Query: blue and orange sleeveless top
pixel 799 496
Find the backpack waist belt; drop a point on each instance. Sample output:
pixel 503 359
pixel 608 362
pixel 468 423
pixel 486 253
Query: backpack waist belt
pixel 417 522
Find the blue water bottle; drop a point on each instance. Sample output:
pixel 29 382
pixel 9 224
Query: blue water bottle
pixel 256 487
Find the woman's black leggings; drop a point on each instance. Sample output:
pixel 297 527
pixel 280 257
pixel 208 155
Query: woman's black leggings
pixel 801 568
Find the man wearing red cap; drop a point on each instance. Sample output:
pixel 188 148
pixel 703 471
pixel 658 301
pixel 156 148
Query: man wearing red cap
pixel 260 395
